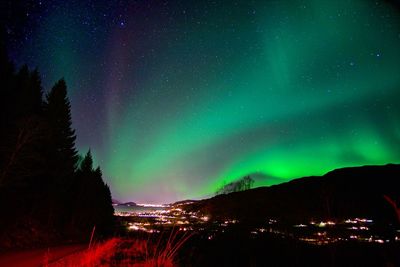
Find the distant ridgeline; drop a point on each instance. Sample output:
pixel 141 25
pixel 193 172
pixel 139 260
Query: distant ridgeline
pixel 48 194
pixel 368 191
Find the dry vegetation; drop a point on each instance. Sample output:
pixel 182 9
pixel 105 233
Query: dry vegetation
pixel 129 252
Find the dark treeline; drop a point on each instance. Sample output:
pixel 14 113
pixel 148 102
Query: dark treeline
pixel 241 185
pixel 48 193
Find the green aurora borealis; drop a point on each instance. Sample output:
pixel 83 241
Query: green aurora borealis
pixel 175 99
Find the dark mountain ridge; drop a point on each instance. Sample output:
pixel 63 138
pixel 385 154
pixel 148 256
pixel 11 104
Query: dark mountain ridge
pixel 341 193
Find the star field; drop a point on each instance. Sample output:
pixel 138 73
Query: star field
pixel 174 98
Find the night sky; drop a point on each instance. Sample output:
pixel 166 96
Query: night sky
pixel 174 98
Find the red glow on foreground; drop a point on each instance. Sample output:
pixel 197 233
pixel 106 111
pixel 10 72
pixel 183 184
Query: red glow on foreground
pixel 90 257
pixel 127 252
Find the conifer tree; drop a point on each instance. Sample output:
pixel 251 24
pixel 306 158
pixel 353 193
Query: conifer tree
pixel 86 166
pixel 106 210
pixel 92 201
pixel 20 92
pixel 61 155
pixel 6 80
pixel 35 93
pixel 58 114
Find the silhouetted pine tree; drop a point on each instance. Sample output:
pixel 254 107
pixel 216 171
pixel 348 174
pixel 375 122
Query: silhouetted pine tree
pixel 61 154
pixel 79 191
pixel 105 209
pixel 58 114
pixel 86 166
pixel 20 91
pixel 35 93
pixel 6 79
pixel 6 101
pixel 92 201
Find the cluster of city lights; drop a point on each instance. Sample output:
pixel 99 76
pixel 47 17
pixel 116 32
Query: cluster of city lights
pixel 317 232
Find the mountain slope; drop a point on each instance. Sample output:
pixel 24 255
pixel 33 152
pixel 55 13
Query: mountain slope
pixel 347 192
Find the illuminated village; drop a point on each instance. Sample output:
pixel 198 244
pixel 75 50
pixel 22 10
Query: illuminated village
pixel 316 232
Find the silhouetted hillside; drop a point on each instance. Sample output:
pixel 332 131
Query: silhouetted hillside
pixel 341 193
